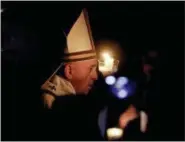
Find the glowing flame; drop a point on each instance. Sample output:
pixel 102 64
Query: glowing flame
pixel 114 133
pixel 108 60
pixel 107 63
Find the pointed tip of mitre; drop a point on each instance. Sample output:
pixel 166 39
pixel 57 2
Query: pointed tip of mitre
pixel 80 44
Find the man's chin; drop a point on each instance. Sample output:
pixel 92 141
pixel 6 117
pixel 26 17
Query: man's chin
pixel 83 93
pixel 87 92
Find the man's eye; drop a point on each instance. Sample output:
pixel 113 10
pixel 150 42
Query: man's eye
pixel 92 68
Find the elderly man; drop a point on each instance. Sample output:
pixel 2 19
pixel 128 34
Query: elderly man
pixel 78 71
pixel 65 92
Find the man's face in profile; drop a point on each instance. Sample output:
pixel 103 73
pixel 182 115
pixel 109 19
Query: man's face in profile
pixel 84 73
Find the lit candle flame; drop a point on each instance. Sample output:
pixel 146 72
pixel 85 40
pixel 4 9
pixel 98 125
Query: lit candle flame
pixel 108 60
pixel 114 133
pixel 108 63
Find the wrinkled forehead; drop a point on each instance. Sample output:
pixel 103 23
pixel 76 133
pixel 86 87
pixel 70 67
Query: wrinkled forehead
pixel 90 62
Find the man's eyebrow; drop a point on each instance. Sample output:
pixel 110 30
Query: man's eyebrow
pixel 94 65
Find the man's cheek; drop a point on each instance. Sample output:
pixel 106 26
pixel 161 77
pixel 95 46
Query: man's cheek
pixel 86 87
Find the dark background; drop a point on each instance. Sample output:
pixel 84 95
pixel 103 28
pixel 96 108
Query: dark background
pixel 31 51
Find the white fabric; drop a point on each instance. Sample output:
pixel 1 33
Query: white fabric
pixel 56 86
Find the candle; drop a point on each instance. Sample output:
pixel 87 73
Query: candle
pixel 107 64
pixel 114 133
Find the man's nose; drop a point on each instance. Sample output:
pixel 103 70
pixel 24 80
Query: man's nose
pixel 95 75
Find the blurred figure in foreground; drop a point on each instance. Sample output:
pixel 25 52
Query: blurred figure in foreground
pixel 127 98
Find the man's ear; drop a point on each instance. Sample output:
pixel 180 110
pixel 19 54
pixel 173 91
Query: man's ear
pixel 68 71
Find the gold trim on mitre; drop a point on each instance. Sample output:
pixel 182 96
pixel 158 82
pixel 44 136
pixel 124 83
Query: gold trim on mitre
pixel 79 56
pixel 80 45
